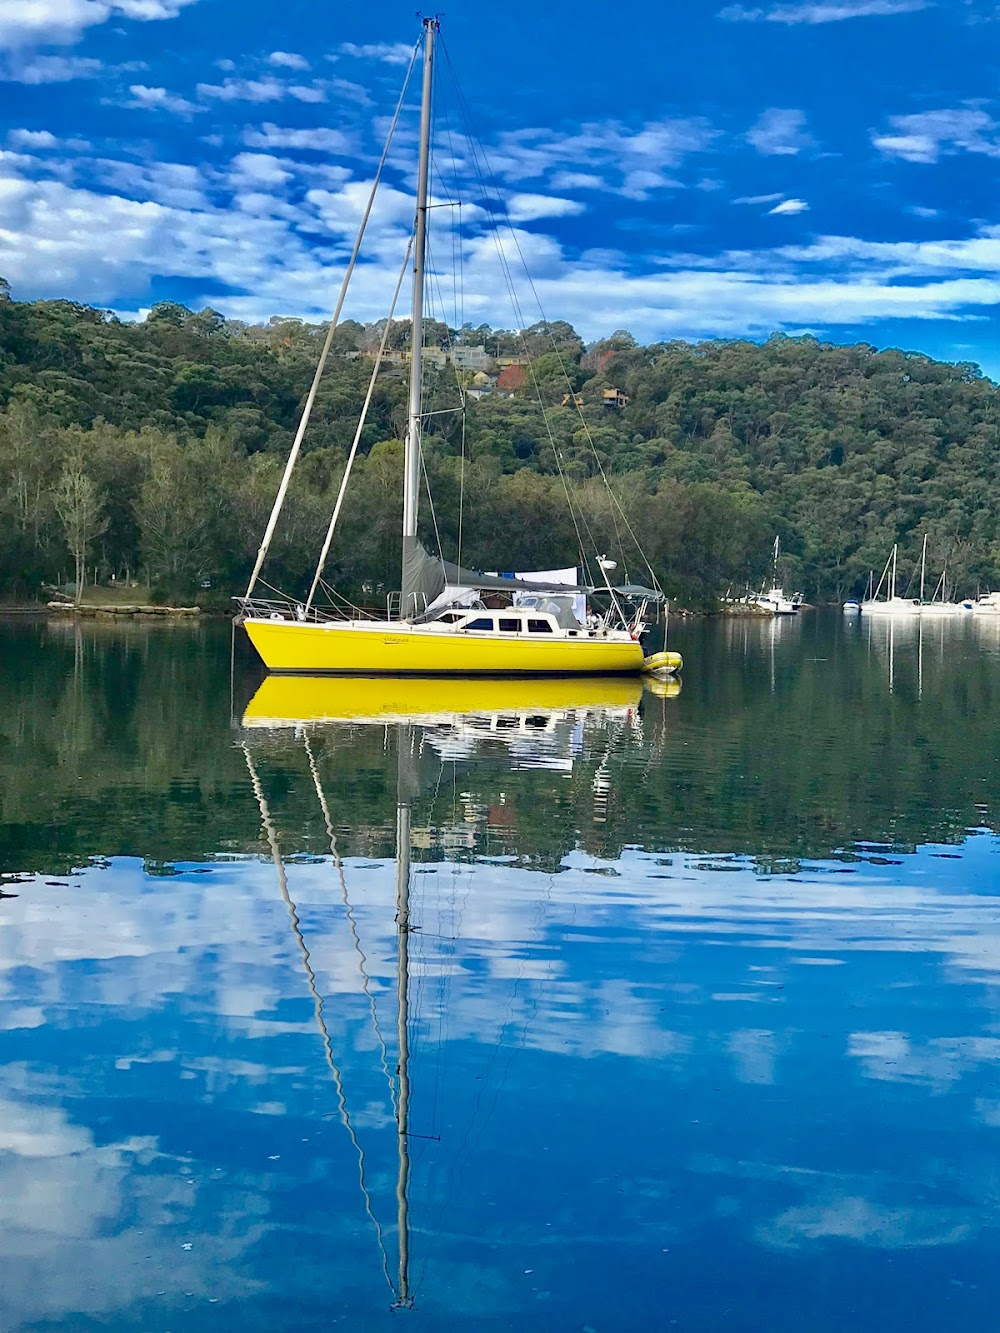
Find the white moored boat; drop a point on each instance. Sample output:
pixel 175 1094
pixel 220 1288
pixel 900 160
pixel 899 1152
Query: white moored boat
pixel 775 599
pixel 938 604
pixel 890 604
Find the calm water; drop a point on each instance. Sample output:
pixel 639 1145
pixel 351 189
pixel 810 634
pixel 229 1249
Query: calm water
pixel 700 993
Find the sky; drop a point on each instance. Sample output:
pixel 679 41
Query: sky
pixel 683 171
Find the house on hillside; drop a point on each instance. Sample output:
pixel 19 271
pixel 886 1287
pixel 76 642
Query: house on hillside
pixel 614 398
pixel 471 358
pixel 481 385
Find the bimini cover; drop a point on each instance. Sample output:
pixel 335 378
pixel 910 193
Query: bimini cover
pixel 634 591
pixel 426 576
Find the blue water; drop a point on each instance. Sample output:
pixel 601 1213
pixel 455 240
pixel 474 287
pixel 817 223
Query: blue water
pixel 672 1064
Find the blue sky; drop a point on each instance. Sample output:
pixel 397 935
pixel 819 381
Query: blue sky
pixel 703 170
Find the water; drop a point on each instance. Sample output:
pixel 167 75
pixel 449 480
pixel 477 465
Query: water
pixel 701 995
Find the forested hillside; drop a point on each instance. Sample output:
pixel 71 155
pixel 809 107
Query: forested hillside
pixel 154 450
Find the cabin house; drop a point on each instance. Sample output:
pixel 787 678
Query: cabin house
pixel 614 398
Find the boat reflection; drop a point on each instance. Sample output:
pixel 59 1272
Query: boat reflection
pixel 539 723
pixel 290 701
pixel 547 723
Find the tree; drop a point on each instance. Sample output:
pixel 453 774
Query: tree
pixel 80 510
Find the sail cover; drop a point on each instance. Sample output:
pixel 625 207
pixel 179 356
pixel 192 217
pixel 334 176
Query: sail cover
pixel 426 576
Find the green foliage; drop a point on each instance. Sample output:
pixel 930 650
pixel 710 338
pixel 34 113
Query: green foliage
pixel 175 430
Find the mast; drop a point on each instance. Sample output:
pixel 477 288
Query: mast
pixel 411 457
pixel 892 584
pixel 923 569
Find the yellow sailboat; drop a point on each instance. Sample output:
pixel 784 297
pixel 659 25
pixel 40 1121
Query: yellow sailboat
pixel 446 620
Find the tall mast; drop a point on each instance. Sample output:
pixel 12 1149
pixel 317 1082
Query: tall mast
pixel 923 569
pixel 892 585
pixel 411 457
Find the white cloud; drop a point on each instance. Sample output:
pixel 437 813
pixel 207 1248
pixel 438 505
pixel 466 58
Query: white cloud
pixel 918 211
pixel 255 239
pixel 390 53
pixel 631 162
pixel 257 169
pixel 758 199
pixel 287 60
pixel 351 92
pixel 175 184
pixel 48 69
pixel 788 208
pixel 531 207
pixel 158 99
pixel 25 23
pixel 244 90
pixel 577 180
pixel 316 140
pixel 270 89
pixel 32 139
pixel 822 11
pixel 779 133
pixel 307 92
pixel 927 135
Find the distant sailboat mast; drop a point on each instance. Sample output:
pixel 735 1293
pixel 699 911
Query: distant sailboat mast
pixel 923 568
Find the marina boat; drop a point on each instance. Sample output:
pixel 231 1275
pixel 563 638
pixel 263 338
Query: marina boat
pixel 938 604
pixel 778 602
pixel 447 620
pixel 986 604
pixel 775 599
pixel 852 607
pixel 890 604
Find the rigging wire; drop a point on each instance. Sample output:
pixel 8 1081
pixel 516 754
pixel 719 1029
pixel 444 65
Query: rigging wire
pixel 458 277
pixel 349 913
pixel 293 917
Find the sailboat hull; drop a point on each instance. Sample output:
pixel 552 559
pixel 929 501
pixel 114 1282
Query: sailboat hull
pixel 398 649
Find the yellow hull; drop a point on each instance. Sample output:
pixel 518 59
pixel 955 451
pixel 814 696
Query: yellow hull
pixel 290 700
pixel 360 648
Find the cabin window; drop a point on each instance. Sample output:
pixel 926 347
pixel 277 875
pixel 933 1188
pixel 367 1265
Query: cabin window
pixel 481 622
pixel 539 627
pixel 509 625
